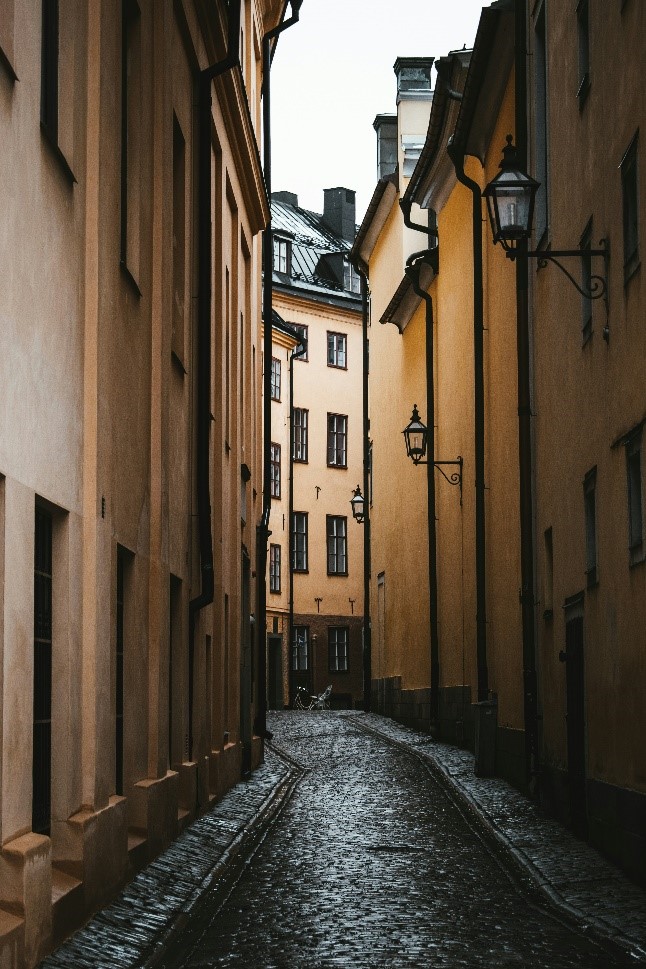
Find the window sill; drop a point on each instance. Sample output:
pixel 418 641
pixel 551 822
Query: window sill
pixel 301 460
pixel 584 90
pixel 337 575
pixel 338 467
pixel 52 144
pixel 130 279
pixel 301 571
pixel 631 266
pixel 338 672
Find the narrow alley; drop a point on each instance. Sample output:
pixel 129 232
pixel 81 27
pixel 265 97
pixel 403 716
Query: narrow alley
pixel 367 861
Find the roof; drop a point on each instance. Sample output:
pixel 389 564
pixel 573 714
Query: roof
pixel 312 245
pixel 375 218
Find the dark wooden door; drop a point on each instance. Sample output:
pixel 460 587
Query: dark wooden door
pixel 275 677
pixel 575 693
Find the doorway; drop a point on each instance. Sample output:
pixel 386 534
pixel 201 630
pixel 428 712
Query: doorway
pixel 275 677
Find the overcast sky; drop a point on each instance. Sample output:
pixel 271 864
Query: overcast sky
pixel 333 72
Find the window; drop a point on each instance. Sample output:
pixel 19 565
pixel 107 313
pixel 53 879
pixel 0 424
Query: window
pixel 42 724
pixel 179 235
pixel 299 541
pixel 540 124
pixel 337 545
pixel 302 332
pixel 351 278
pixel 301 416
pixel 275 470
pixel 583 34
pixel 337 437
pixel 585 244
pixel 6 37
pixel 131 97
pixel 275 379
pixel 336 350
pixel 635 508
pixel 274 568
pixel 300 648
pixel 338 638
pixel 630 209
pixel 590 506
pixel 282 255
pixel 56 82
pixel 548 589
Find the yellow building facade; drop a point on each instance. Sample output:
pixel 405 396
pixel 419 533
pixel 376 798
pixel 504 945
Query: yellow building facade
pixel 317 293
pixel 131 375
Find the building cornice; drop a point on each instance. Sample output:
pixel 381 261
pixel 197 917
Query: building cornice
pixel 303 304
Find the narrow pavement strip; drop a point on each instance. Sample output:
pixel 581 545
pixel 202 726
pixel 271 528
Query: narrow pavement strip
pixel 133 929
pixel 573 875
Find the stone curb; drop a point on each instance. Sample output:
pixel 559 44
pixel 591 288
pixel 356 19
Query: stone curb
pixel 503 847
pixel 127 934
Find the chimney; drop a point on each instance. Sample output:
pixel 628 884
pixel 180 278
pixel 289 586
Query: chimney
pixel 289 198
pixel 339 212
pixel 386 127
pixel 413 78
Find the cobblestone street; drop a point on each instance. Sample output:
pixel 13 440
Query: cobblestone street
pixel 354 850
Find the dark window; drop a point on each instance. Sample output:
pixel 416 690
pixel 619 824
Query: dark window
pixel 338 638
pixel 630 209
pixel 586 282
pixel 583 34
pixel 336 350
pixel 274 568
pixel 302 330
pixel 131 94
pixel 337 545
pixel 275 470
pixel 300 648
pixel 635 508
pixel 42 738
pixel 301 417
pixel 179 234
pixel 337 440
pixel 275 379
pixel 282 255
pixel 299 541
pixel 540 124
pixel 49 70
pixel 590 506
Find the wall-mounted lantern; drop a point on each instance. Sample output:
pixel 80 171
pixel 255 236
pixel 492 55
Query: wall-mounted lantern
pixel 357 505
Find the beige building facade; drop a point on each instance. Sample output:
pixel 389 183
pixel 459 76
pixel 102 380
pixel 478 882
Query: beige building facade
pixel 131 377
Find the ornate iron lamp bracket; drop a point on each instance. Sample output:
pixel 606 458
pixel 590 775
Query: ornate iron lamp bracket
pixel 598 283
pixel 454 477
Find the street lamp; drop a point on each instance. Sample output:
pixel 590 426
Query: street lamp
pixel 510 199
pixel 416 437
pixel 357 505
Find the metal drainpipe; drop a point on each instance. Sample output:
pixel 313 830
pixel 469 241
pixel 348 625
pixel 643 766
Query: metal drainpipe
pixel 413 272
pixel 530 685
pixel 478 354
pixel 262 530
pixel 204 243
pixel 290 511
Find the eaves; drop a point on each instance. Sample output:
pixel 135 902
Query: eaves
pixel 405 301
pixel 374 220
pixel 321 298
pixel 489 68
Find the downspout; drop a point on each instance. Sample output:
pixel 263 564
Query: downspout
pixel 262 530
pixel 294 356
pixel 204 243
pixel 413 267
pixel 530 685
pixel 457 157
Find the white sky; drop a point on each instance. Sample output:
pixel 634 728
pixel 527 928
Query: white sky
pixel 333 72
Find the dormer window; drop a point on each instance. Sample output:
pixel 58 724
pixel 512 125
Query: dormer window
pixel 351 278
pixel 282 255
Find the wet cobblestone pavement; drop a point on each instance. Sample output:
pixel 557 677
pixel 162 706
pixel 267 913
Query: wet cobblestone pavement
pixel 369 846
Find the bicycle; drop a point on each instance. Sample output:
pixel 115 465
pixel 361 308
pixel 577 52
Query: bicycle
pixel 307 701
